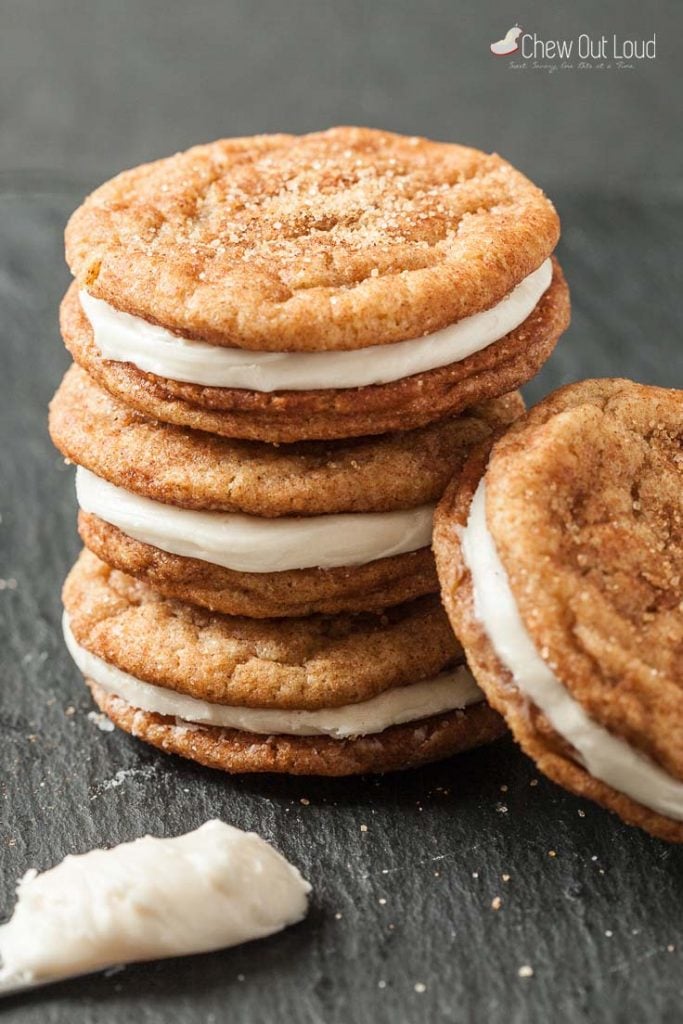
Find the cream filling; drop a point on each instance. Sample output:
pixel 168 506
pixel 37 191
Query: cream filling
pixel 449 691
pixel 149 899
pixel 253 544
pixel 130 339
pixel 604 756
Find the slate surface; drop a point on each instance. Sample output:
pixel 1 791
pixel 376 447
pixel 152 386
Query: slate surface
pixel 401 927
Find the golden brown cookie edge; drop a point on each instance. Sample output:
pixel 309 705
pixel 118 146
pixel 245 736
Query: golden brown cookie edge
pixel 286 417
pixel 204 472
pixel 296 592
pixel 397 748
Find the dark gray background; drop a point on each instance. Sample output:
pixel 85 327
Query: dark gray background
pixel 89 88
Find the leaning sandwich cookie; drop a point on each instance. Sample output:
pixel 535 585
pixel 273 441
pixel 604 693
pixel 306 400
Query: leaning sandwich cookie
pixel 248 528
pixel 560 553
pixel 325 695
pixel 338 284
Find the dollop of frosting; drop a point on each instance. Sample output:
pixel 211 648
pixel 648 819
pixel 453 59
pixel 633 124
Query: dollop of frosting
pixel 149 899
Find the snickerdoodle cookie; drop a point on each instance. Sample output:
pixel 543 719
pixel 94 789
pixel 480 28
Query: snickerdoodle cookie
pixel 344 283
pixel 246 528
pixel 560 554
pixel 327 695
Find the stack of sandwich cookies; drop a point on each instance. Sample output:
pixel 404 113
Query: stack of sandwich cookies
pixel 560 553
pixel 325 695
pixel 247 528
pixel 284 347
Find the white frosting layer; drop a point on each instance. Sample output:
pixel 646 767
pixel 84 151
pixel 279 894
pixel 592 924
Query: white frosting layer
pixel 152 898
pixel 252 544
pixel 604 756
pixel 448 691
pixel 129 339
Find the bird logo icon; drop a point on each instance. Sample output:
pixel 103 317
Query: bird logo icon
pixel 508 44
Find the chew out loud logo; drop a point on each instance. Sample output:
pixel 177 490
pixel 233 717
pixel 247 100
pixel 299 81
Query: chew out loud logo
pixel 584 47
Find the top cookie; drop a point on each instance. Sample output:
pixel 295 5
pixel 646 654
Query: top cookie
pixel 335 240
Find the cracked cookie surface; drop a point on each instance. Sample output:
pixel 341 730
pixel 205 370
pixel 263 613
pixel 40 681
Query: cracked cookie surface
pixel 335 240
pixel 303 663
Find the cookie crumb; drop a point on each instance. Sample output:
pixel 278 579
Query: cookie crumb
pixel 305 801
pixel 526 971
pixel 534 782
pixel 100 720
pixel 506 878
pixel 496 903
pixel 364 828
pixel 609 934
pixel 419 986
pixel 381 900
pixel 381 984
pixel 552 853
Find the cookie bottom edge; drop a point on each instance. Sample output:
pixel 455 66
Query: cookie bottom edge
pixel 397 748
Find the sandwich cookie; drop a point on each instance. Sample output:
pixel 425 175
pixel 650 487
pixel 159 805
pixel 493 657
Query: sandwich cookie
pixel 560 553
pixel 327 695
pixel 247 528
pixel 339 284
